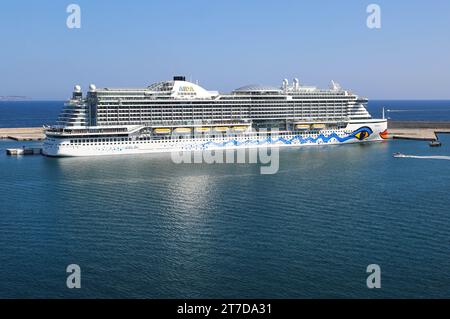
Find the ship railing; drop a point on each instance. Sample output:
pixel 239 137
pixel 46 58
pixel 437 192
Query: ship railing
pixel 319 120
pixel 67 131
pixel 197 123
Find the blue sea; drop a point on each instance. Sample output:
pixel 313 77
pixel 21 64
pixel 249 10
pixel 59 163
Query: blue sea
pixel 145 227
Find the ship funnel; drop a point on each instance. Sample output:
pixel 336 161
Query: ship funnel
pixel 179 78
pixel 285 84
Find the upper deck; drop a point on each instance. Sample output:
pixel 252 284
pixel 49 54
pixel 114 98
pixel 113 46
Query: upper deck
pixel 180 102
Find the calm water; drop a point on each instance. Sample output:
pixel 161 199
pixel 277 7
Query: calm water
pixel 29 113
pixel 141 226
pixel 435 110
pixel 38 113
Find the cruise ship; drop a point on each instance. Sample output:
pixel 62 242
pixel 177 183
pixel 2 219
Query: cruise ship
pixel 178 115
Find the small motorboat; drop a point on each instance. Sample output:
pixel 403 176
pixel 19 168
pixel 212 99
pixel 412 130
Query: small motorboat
pixel 398 154
pixel 24 151
pixel 435 143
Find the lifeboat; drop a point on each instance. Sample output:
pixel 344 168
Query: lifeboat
pixel 319 126
pixel 183 130
pixel 302 127
pixel 162 130
pixel 221 129
pixel 202 129
pixel 239 128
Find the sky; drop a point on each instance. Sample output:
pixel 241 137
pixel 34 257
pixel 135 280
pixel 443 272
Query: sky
pixel 225 44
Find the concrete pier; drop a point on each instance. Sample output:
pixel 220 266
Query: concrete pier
pixel 417 130
pixel 22 133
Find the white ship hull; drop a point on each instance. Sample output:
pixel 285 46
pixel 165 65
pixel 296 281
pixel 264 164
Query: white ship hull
pixel 355 132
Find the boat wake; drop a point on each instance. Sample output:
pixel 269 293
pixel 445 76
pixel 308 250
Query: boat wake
pixel 423 157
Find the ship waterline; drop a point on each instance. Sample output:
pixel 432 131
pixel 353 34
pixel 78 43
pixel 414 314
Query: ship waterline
pixel 181 116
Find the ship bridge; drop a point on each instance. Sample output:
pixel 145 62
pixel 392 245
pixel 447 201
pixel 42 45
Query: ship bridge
pixel 179 88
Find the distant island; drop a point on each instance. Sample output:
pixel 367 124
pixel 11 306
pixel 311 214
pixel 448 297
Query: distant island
pixel 14 98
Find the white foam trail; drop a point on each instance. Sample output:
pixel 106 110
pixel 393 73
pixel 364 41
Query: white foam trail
pixel 427 157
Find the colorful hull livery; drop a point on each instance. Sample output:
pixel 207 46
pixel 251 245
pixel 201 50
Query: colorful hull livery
pixel 181 116
pixel 360 134
pixel 384 135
